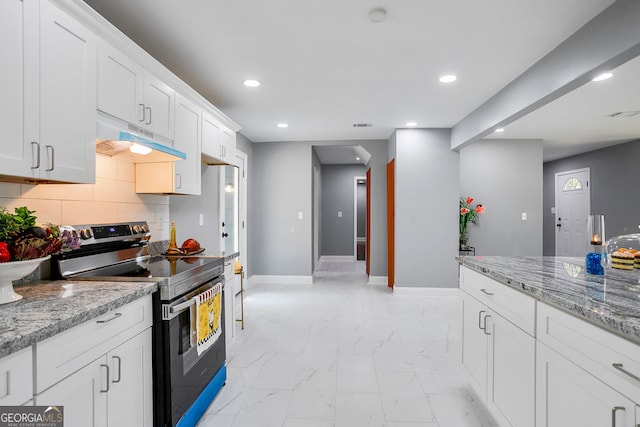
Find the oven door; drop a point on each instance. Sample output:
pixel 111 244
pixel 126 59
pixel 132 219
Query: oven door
pixel 180 373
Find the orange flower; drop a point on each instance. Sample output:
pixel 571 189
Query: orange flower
pixel 469 200
pixel 480 209
pixel 464 211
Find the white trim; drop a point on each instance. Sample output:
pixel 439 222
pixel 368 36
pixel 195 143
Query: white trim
pixel 425 292
pixel 337 258
pixel 378 280
pixel 280 280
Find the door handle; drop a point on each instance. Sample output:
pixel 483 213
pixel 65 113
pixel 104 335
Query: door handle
pixel 149 122
pixel 480 319
pixel 613 414
pixel 107 382
pixel 37 144
pixel 558 224
pixel 485 324
pixel 225 235
pixel 53 157
pixel 119 369
pixel 143 113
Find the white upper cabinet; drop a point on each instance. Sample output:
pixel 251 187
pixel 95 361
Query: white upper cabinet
pixel 49 84
pixel 218 142
pixel 128 92
pixel 187 140
pixel 181 176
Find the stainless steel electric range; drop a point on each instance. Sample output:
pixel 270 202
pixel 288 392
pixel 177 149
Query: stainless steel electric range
pixel 187 374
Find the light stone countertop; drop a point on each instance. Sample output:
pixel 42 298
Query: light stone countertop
pixel 611 301
pixel 50 307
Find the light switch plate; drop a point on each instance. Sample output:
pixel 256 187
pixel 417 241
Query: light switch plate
pixel 300 216
pixel 339 214
pixel 524 216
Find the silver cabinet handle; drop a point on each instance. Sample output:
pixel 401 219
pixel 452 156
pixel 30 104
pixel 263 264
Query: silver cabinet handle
pixel 37 144
pixel 53 157
pixel 143 112
pixel 486 332
pixel 115 316
pixel 620 368
pixel 107 389
pixel 613 414
pixel 119 369
pixel 149 122
pixel 486 291
pixel 480 319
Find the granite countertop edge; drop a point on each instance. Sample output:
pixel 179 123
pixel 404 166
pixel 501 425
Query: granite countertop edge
pixel 50 319
pixel 604 315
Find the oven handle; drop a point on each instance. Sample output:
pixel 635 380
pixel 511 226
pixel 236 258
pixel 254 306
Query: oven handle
pixel 170 311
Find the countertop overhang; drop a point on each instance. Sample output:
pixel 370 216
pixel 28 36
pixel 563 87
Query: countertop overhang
pixel 50 307
pixel 611 301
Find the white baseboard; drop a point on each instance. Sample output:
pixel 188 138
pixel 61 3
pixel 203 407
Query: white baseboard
pixel 336 258
pixel 279 280
pixel 378 280
pixel 425 292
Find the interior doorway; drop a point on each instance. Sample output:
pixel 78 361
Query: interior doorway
pixel 360 217
pixel 573 204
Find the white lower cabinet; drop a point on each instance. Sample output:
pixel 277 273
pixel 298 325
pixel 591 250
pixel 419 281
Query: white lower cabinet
pixel 16 378
pixel 570 396
pixel 81 395
pixel 498 349
pixel 100 371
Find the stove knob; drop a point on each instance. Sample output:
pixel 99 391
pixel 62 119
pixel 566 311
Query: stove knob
pixel 86 233
pixel 136 229
pixel 145 228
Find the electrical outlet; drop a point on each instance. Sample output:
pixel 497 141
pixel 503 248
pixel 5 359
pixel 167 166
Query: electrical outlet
pixel 524 216
pixel 339 214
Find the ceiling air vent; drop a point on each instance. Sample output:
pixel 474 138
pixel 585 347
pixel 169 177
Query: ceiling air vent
pixel 624 114
pixel 362 125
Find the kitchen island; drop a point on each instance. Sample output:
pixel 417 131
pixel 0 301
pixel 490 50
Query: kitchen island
pixel 611 301
pixel 544 344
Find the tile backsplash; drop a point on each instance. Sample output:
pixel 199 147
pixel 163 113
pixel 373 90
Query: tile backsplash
pixel 111 199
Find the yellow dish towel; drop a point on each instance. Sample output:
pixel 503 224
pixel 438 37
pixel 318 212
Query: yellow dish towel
pixel 209 324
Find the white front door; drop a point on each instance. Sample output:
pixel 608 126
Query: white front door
pixel 573 204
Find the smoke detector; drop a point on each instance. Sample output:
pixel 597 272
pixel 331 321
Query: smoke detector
pixel 377 15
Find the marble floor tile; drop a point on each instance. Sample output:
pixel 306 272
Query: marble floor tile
pixel 344 353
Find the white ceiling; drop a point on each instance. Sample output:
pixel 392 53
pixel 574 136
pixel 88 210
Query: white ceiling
pixel 324 66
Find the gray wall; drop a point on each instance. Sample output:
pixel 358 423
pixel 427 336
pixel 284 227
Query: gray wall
pixel 281 186
pixel 426 200
pixel 506 177
pixel 337 196
pixel 615 173
pixel 185 210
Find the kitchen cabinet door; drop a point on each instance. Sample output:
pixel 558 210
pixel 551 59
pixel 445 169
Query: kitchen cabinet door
pixel 67 98
pixel 569 396
pixel 159 99
pixel 511 373
pixel 83 396
pixel 18 156
pixel 16 378
pixel 130 400
pixel 187 140
pixel 474 343
pixel 218 142
pixel 120 85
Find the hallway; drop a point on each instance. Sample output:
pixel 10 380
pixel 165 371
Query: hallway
pixel 344 353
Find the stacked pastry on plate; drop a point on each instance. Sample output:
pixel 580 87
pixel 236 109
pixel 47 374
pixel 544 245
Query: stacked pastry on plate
pixel 625 259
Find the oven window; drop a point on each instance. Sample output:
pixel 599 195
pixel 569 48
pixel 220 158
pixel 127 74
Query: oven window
pixel 185 332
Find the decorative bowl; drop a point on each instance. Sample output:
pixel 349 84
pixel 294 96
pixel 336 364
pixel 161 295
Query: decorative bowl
pixel 10 271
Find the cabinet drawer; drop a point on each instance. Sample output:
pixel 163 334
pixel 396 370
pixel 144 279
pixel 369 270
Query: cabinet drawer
pixel 592 348
pixel 515 306
pixel 61 355
pixel 16 378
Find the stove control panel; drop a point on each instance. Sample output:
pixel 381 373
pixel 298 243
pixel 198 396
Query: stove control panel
pixel 104 233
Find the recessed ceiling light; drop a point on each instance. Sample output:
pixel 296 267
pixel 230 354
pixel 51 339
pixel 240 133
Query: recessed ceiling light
pixel 499 130
pixel 283 125
pixel 603 76
pixel 357 158
pixel 251 83
pixel 448 78
pixel 412 124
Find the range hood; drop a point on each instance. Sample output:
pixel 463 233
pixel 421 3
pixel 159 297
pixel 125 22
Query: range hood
pixel 119 138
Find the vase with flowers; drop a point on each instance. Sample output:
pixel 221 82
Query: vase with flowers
pixel 469 214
